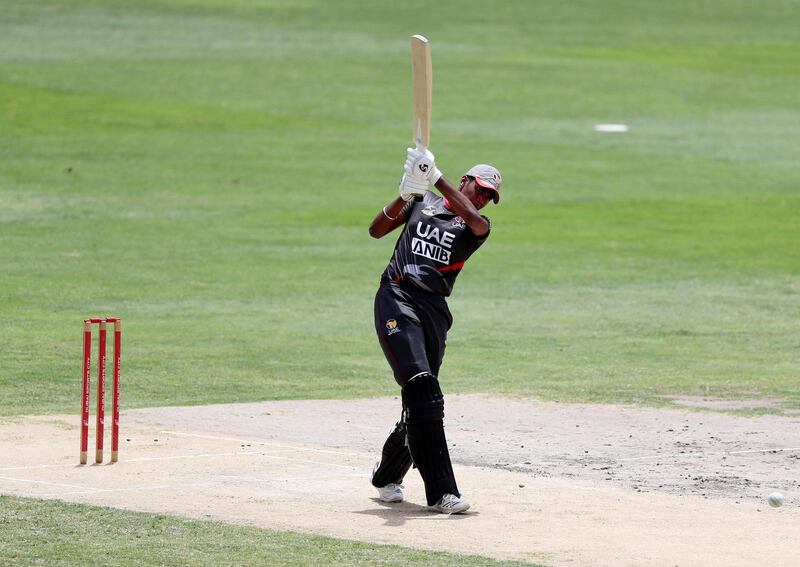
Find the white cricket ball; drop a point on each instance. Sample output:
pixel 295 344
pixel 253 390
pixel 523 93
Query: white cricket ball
pixel 775 499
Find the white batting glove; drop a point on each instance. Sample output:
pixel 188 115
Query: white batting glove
pixel 412 185
pixel 422 163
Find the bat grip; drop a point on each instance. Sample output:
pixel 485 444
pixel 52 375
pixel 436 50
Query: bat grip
pixel 421 148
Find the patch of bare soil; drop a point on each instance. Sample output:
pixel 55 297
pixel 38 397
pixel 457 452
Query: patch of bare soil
pixel 559 484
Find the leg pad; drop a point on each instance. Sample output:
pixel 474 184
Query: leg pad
pixel 424 403
pixel 395 458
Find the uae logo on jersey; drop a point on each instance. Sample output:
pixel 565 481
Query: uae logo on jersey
pixel 430 210
pixel 458 222
pixel 391 327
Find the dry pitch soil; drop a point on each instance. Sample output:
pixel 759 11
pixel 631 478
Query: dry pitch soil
pixel 557 484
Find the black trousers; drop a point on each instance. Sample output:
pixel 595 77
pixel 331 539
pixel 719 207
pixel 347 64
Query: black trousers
pixel 412 327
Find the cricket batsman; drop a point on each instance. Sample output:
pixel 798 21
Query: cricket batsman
pixel 438 235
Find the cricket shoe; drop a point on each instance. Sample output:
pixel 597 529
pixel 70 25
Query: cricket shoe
pixel 450 504
pixel 392 492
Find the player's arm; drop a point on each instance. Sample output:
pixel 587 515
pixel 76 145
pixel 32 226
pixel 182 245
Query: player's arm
pixel 393 214
pixel 388 219
pixel 463 206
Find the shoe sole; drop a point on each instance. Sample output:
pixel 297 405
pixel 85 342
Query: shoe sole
pixel 451 511
pixel 391 500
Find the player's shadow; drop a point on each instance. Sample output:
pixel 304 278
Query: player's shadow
pixel 400 513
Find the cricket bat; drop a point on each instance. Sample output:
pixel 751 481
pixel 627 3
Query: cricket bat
pixel 421 92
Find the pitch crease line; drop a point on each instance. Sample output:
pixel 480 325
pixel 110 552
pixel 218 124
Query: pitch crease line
pixel 198 456
pixel 251 441
pixel 289 479
pixel 246 454
pixel 133 489
pixel 220 438
pixel 30 481
pixel 36 467
pixel 270 455
pixel 136 460
pixel 209 483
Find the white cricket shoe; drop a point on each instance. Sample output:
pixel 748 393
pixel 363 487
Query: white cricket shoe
pixel 450 504
pixel 390 493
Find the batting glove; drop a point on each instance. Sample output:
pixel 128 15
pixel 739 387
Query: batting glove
pixel 422 163
pixel 412 185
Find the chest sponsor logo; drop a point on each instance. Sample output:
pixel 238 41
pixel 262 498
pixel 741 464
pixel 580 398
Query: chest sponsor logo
pixel 428 250
pixel 430 210
pixel 432 243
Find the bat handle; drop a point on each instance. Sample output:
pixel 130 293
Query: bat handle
pixel 421 148
pixel 418 137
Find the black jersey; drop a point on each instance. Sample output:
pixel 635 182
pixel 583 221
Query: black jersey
pixel 433 246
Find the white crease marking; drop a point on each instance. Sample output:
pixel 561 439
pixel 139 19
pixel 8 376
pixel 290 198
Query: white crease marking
pixel 254 442
pixel 31 481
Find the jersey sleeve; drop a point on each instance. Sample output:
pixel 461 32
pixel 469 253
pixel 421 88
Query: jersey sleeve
pixel 481 239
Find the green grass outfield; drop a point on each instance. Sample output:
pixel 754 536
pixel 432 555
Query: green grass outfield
pixel 207 169
pixel 57 533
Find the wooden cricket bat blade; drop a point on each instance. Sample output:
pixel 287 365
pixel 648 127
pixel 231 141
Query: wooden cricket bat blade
pixel 422 90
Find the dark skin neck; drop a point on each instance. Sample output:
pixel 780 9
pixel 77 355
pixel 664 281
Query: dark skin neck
pixel 465 201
